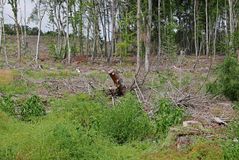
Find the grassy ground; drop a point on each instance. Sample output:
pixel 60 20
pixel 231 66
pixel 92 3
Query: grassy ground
pixel 59 113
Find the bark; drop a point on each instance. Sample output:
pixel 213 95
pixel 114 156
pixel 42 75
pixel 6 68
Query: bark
pixel 14 5
pixel 207 33
pixel 25 25
pixel 230 2
pixel 138 34
pixel 39 31
pixel 81 28
pixel 148 41
pixel 195 28
pixel 67 33
pixel 113 30
pixel 159 28
pixel 104 28
pixel 215 34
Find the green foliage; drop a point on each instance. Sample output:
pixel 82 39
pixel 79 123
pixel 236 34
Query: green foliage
pixel 33 107
pixel 7 105
pixel 228 79
pixel 126 121
pixel 231 145
pixel 231 149
pixel 54 53
pixel 169 43
pixel 167 115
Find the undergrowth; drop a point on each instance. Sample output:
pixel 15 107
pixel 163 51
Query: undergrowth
pixel 227 82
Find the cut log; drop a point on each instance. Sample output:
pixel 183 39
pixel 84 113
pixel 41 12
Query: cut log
pixel 121 88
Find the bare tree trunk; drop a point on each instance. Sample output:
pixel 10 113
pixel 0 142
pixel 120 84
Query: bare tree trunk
pixel 226 26
pixel 148 43
pixel 1 23
pixel 138 34
pixel 18 42
pixel 14 5
pixel 215 35
pixel 25 25
pixel 230 2
pixel 207 41
pixel 81 29
pixel 113 31
pixel 159 28
pixel 67 33
pixel 39 30
pixel 195 28
pixel 4 46
pixel 104 28
pixel 88 37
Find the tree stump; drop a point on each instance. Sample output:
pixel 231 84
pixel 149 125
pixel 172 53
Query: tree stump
pixel 121 88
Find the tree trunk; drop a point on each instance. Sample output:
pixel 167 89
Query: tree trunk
pixel 138 34
pixel 39 31
pixel 81 29
pixel 159 28
pixel 215 34
pixel 25 25
pixel 230 2
pixel 148 42
pixel 67 33
pixel 195 28
pixel 113 31
pixel 207 41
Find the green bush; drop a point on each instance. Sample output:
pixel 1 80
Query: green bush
pixel 126 121
pixel 54 53
pixel 231 150
pixel 166 116
pixel 228 80
pixel 32 107
pixel 7 105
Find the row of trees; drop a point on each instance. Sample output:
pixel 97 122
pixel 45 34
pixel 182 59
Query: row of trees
pixel 113 27
pixel 10 30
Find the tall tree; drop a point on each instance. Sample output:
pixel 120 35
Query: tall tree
pixel 113 16
pixel 67 33
pixel 195 28
pixel 159 28
pixel 138 34
pixel 148 40
pixel 14 5
pixel 207 33
pixel 2 31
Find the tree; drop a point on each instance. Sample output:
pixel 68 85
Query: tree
pixel 37 15
pixel 138 34
pixel 2 31
pixel 159 28
pixel 195 28
pixel 148 40
pixel 14 5
pixel 67 32
pixel 207 41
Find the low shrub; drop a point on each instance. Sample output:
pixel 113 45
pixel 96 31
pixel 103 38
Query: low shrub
pixel 231 150
pixel 32 107
pixel 228 79
pixel 126 121
pixel 166 116
pixel 7 105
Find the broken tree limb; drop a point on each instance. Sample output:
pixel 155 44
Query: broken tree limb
pixel 121 88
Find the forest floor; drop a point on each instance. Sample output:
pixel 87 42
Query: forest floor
pixel 59 86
